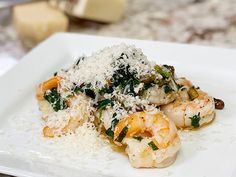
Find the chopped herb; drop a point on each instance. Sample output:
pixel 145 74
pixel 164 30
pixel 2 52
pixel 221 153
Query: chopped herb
pixel 84 89
pixel 103 104
pixel 132 82
pixel 88 86
pixel 179 86
pixel 114 122
pixel 162 82
pixel 106 90
pixel 153 146
pixel 114 115
pixel 145 87
pixel 192 93
pixel 166 74
pixel 55 100
pixel 90 93
pixel 167 89
pixel 146 79
pixel 69 96
pixel 170 68
pixel 139 138
pixel 122 134
pixel 79 60
pixel 159 70
pixel 110 131
pixel 122 56
pixel 77 89
pixel 125 80
pixel 195 120
pixel 135 81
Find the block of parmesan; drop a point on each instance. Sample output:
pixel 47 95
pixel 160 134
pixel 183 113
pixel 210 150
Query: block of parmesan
pixel 97 10
pixel 35 22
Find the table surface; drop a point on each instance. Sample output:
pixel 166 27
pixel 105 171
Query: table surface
pixel 204 22
pixel 172 20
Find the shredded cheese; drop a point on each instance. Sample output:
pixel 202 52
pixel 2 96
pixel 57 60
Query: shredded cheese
pixel 123 65
pixel 100 66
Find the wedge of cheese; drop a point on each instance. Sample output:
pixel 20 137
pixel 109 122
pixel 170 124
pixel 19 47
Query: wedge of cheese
pixel 35 22
pixel 97 10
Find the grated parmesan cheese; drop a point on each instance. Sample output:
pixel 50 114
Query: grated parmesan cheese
pixel 21 136
pixel 119 71
pixel 100 66
pixel 104 88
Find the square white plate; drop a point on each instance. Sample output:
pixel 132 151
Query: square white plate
pixel 208 152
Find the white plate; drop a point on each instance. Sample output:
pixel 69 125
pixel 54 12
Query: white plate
pixel 210 151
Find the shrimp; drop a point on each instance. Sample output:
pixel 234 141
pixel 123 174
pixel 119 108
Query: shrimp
pixel 77 110
pixel 67 120
pixel 159 96
pixel 44 106
pixel 187 112
pixel 47 85
pixel 151 139
pixel 71 126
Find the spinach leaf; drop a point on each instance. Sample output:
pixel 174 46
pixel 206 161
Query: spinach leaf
pixel 103 104
pixel 125 80
pixel 108 89
pixel 90 93
pixel 55 100
pixel 167 89
pixel 110 131
pixel 84 89
pixel 195 120
pixel 77 89
pixel 145 87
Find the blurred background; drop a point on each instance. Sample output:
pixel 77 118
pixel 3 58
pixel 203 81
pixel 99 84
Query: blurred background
pixel 25 23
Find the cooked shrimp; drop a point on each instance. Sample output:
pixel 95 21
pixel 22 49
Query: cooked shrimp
pixel 156 143
pixel 47 85
pixel 159 96
pixel 189 110
pixel 44 106
pixel 106 117
pixel 69 119
pixel 72 124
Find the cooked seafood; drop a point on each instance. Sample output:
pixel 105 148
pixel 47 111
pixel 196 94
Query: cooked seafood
pixel 73 117
pixel 151 139
pixel 192 108
pixel 120 91
pixel 159 96
pixel 68 120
